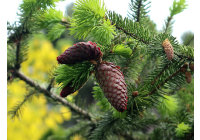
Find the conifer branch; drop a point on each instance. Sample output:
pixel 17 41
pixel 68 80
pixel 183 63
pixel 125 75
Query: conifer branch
pixel 168 24
pixel 160 74
pixel 17 65
pixel 184 57
pixel 128 62
pixel 131 34
pixel 16 111
pixel 138 12
pixel 166 80
pixel 73 107
pixel 50 84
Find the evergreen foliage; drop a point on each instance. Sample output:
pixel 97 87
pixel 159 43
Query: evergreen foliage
pixel 161 103
pixel 77 74
pixel 88 19
pixel 181 129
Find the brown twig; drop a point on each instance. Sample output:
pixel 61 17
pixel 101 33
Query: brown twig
pixel 131 34
pixel 160 74
pixel 127 33
pixel 166 80
pixel 56 97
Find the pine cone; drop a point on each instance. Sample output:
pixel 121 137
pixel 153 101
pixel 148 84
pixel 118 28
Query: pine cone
pixel 111 80
pixel 191 66
pixel 188 77
pixel 168 49
pixel 79 52
pixel 67 90
pixel 184 68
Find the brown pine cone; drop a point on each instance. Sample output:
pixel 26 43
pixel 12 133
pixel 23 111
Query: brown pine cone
pixel 191 66
pixel 79 52
pixel 168 49
pixel 111 81
pixel 188 77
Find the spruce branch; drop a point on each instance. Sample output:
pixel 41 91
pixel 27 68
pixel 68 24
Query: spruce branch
pixel 166 80
pixel 17 109
pixel 128 62
pixel 73 107
pixel 184 57
pixel 17 65
pixel 160 74
pixel 50 84
pixel 138 12
pixel 168 25
pixel 130 28
pixel 131 34
pixel 175 9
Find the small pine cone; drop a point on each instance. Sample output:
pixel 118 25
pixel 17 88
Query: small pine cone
pixel 135 94
pixel 168 49
pixel 188 77
pixel 191 66
pixel 67 90
pixel 111 80
pixel 79 52
pixel 184 68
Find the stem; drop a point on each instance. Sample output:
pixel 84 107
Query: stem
pixel 167 25
pixel 72 106
pixel 166 80
pixel 17 65
pixel 138 12
pixel 131 34
pixel 127 33
pixel 182 57
pixel 160 74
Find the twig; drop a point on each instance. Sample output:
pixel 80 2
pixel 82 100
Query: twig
pixel 72 106
pixel 138 12
pixel 160 74
pixel 50 84
pixel 154 90
pixel 167 25
pixel 131 34
pixel 17 65
pixel 127 33
pixel 182 56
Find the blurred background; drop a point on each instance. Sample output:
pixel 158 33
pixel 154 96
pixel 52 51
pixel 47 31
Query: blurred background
pixel 40 118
